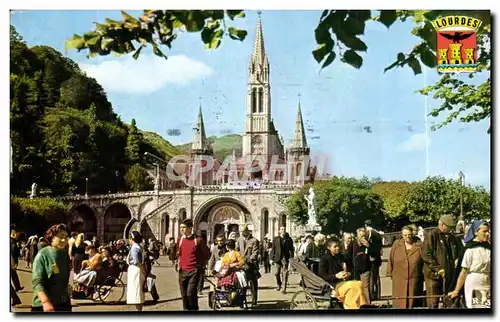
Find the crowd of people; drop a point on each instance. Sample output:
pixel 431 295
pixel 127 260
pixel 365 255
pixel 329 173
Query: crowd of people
pixel 59 254
pixel 439 261
pixel 443 262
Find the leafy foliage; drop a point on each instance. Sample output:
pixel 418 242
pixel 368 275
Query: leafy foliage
pixel 428 200
pixel 394 196
pixel 338 34
pixel 137 178
pixel 341 204
pixel 63 128
pixel 345 203
pixel 36 215
pixel 156 27
pixel 134 142
pixel 162 147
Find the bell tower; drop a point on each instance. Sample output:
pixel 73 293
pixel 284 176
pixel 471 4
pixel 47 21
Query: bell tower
pixel 257 138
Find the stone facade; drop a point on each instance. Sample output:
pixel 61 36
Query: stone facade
pixel 158 214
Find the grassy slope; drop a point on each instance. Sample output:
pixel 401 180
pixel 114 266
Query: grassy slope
pixel 223 146
pixel 161 144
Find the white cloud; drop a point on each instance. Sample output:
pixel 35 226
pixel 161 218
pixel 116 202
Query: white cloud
pixel 416 142
pixel 147 74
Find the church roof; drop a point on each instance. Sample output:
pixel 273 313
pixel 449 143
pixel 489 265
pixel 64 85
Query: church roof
pixel 200 144
pixel 299 140
pixel 259 53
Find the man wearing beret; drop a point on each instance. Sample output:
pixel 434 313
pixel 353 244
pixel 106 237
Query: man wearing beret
pixel 440 252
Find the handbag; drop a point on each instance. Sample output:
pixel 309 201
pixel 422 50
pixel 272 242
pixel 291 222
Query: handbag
pixel 149 283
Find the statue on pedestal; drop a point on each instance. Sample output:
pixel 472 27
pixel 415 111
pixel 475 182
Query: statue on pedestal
pixel 311 208
pixel 33 190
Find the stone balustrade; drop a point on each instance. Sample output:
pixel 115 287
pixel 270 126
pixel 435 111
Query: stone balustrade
pixel 264 188
pixel 107 196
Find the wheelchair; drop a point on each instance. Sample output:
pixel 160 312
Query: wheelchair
pixel 234 296
pixel 315 293
pixel 108 287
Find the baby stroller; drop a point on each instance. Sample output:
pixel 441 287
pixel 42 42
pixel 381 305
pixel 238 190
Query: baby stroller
pixel 230 290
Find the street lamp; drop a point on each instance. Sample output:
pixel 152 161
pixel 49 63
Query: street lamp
pixel 157 165
pixel 154 156
pixel 461 175
pixel 86 188
pixel 157 177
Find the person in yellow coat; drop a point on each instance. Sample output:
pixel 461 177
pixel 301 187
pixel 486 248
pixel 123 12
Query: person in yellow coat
pixel 334 269
pixel 230 263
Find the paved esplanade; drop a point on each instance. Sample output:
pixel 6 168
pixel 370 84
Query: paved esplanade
pixel 168 289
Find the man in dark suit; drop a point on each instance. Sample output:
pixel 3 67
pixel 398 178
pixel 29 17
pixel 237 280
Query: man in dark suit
pixel 360 252
pixel 282 251
pixel 375 240
pixel 264 253
pixel 440 253
pixel 251 253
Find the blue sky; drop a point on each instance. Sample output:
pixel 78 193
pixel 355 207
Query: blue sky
pixel 337 103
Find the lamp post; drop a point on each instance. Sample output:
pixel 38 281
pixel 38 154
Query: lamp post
pixel 157 177
pixel 461 175
pixel 157 165
pixel 86 188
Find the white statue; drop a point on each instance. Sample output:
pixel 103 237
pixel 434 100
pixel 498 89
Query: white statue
pixel 33 190
pixel 311 208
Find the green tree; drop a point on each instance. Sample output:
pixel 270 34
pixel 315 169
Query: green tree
pixel 394 196
pixel 337 34
pixel 66 132
pixel 428 200
pixel 341 204
pixel 82 92
pixel 137 178
pixel 63 128
pixel 34 216
pixel 134 142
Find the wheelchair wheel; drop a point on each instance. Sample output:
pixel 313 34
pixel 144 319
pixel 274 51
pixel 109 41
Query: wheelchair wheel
pixel 111 291
pixel 211 299
pixel 303 300
pixel 216 302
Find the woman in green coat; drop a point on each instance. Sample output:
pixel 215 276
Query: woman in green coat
pixel 51 273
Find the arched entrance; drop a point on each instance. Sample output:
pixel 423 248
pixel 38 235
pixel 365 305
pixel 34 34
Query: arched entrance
pixel 116 218
pixel 165 222
pixel 282 221
pixel 221 216
pixel 265 221
pixel 82 219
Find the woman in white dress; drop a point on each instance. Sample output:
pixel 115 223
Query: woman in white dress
pixel 475 274
pixel 135 272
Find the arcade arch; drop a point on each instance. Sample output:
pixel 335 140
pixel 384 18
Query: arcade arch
pixel 116 218
pixel 82 219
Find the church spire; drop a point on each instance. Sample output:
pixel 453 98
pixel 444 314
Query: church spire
pixel 259 54
pixel 299 137
pixel 200 143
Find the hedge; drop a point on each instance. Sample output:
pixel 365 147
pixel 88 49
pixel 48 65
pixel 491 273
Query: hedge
pixel 34 216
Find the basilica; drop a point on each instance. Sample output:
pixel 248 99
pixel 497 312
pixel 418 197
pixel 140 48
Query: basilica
pixel 264 159
pixel 218 195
